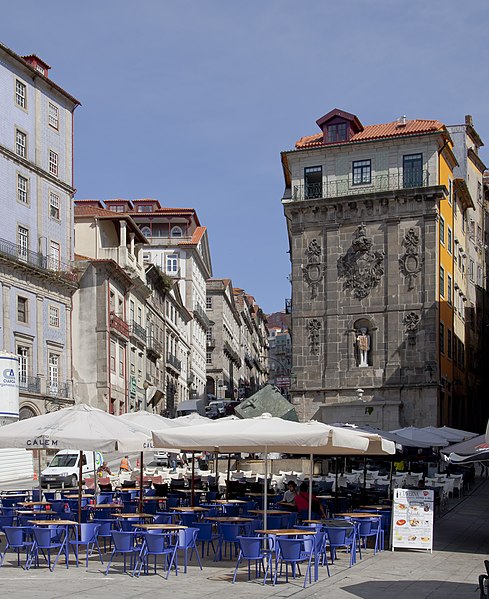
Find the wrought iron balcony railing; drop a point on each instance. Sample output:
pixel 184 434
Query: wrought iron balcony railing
pixel 50 265
pixel 345 187
pixel 211 342
pixel 201 316
pixel 174 361
pixel 119 324
pixel 31 384
pixel 54 389
pixel 138 331
pixel 153 345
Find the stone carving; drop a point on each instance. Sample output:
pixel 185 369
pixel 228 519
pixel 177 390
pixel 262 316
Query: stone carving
pixel 361 267
pixel 313 272
pixel 313 327
pixel 411 321
pixel 411 262
pixel 363 346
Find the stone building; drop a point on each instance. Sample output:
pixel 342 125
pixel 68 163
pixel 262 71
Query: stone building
pixel 36 249
pixel 368 211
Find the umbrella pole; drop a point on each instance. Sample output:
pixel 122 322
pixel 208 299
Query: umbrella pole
pixel 227 478
pixel 265 495
pixel 192 485
pixel 39 473
pixel 95 477
pixel 364 475
pixel 336 484
pixel 390 477
pixel 80 482
pixel 141 483
pixel 311 472
pixel 216 470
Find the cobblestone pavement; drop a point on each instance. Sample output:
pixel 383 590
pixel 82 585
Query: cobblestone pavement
pixel 452 570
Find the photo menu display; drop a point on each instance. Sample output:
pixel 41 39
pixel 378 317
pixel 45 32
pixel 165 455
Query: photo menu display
pixel 412 518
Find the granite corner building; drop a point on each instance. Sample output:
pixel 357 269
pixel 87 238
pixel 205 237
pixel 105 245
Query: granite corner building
pixel 386 228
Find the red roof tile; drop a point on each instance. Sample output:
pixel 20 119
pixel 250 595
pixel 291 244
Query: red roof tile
pixel 196 236
pixel 371 132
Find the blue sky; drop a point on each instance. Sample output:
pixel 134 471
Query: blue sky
pixel 191 101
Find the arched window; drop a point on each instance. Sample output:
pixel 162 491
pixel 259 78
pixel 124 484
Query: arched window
pixel 26 412
pixel 176 232
pixel 146 231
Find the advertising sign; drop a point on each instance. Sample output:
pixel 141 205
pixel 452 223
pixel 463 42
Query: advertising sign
pixel 9 385
pixel 412 519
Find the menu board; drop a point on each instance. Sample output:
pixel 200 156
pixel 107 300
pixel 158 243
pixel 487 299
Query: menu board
pixel 412 518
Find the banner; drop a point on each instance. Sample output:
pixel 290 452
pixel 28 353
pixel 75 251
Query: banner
pixel 413 513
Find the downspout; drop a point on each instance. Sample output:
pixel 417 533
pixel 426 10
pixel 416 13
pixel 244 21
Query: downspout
pixel 109 384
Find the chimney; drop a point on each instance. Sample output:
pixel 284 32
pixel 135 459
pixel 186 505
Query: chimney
pixel 468 120
pixel 401 121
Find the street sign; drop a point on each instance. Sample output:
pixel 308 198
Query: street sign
pixel 282 381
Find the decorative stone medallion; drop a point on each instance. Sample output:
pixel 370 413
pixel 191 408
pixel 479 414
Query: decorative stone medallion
pixel 361 267
pixel 313 271
pixel 411 262
pixel 411 321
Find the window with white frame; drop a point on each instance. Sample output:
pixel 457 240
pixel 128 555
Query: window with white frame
pixel 54 205
pixel 53 372
pixel 53 116
pixel 23 354
pixel 176 232
pixel 20 143
pixel 172 263
pixel 23 242
pixel 53 316
pixel 54 255
pixel 20 94
pixel 53 163
pixel 22 309
pixel 362 172
pixel 22 189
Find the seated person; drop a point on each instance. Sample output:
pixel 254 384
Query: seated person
pixel 301 501
pixel 289 495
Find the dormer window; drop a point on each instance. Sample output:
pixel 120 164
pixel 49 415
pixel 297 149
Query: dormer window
pixel 337 132
pixel 145 208
pixel 176 232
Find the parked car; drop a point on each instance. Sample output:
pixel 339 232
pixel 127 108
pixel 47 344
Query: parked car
pixel 64 468
pixel 161 458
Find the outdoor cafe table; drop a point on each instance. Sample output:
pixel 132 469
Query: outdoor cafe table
pixel 358 515
pixel 66 524
pixel 285 532
pixel 375 507
pixel 75 496
pixel 141 515
pixel 36 512
pixel 160 526
pixel 189 508
pixel 270 512
pixel 228 501
pixel 105 506
pixel 231 519
pixel 34 503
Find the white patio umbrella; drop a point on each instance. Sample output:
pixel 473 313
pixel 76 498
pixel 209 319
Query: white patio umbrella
pixel 471 450
pixel 451 437
pixel 457 431
pixel 79 427
pixel 266 433
pixel 418 434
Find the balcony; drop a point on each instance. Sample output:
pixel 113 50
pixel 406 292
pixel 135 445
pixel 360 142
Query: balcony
pixel 344 186
pixel 174 362
pixel 46 264
pixel 138 331
pixel 154 346
pixel 201 317
pixel 31 384
pixel 232 354
pixel 59 390
pixel 119 325
pixel 210 342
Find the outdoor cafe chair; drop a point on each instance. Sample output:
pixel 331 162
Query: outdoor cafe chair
pixel 228 536
pixel 6 521
pixel 251 549
pixel 45 540
pixel 163 518
pixel 206 534
pixel 18 539
pixel 187 538
pixel 87 536
pixel 155 544
pixel 342 537
pixel 124 545
pixel 105 530
pixel 294 552
pixel 187 518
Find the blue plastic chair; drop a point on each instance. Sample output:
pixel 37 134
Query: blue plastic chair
pixel 187 518
pixel 154 545
pixel 291 519
pixel 186 542
pixel 251 549
pixel 45 540
pixel 127 524
pixel 205 535
pixel 17 540
pixel 274 522
pixel 367 528
pixel 123 545
pixel 88 537
pixel 230 510
pixel 105 530
pixel 342 537
pixel 163 518
pixel 6 521
pixel 294 552
pixel 228 536
pixel 172 502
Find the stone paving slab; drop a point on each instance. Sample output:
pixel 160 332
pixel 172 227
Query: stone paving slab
pixel 452 570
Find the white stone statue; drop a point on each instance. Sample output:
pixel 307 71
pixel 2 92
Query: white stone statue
pixel 363 343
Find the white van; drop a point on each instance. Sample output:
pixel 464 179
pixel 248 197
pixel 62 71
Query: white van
pixel 64 468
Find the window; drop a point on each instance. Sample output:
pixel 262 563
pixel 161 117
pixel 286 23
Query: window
pixel 20 144
pixel 208 303
pixel 53 316
pixel 412 170
pixel 471 270
pixel 442 281
pixel 20 94
pixel 117 208
pixel 208 358
pixel 450 191
pixel 112 301
pixel 23 242
pixel 479 192
pixel 172 263
pixel 131 311
pixel 22 309
pixel 442 230
pixel 53 372
pixel 145 208
pixel 337 132
pixel 449 240
pixel 449 289
pixel 53 116
pixel 449 344
pixel 140 316
pixel 23 353
pixel 313 182
pixel 53 163
pixel 53 205
pixel 146 231
pixel 54 255
pixel 479 234
pixel 479 276
pixel 442 338
pixel 176 232
pixel 112 355
pixel 362 172
pixel 122 359
pixel 22 189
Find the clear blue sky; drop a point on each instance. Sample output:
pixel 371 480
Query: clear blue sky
pixel 191 101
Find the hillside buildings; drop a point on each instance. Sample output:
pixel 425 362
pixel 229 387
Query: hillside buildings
pixel 36 249
pixel 380 221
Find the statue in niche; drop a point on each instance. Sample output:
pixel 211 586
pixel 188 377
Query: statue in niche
pixel 363 346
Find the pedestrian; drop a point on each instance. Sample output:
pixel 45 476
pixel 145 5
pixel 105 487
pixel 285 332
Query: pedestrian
pixel 172 458
pixel 104 469
pixel 125 465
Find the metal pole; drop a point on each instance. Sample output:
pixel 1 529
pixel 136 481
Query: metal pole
pixel 265 496
pixel 141 463
pixel 311 470
pixel 80 482
pixel 192 486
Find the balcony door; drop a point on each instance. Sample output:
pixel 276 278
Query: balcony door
pixel 413 170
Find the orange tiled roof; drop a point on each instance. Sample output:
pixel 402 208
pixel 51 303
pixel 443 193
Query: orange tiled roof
pixel 90 210
pixel 196 236
pixel 371 132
